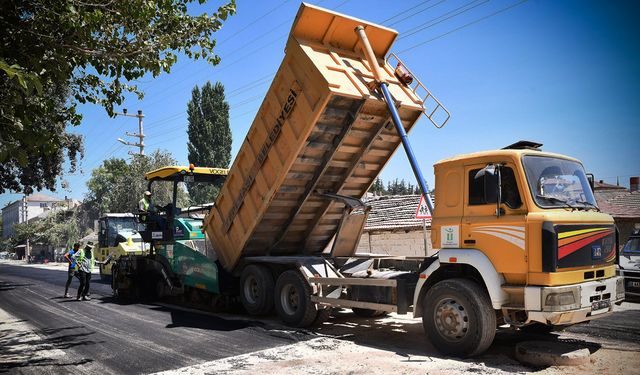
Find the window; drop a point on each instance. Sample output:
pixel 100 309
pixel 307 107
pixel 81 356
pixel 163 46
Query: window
pixel 632 247
pixel 43 205
pixel 510 194
pixel 476 188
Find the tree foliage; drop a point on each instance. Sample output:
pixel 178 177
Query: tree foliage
pixel 117 186
pixel 209 135
pixel 32 154
pixel 59 229
pixel 55 55
pixel 395 187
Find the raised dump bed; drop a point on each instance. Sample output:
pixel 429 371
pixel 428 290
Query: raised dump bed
pixel 320 129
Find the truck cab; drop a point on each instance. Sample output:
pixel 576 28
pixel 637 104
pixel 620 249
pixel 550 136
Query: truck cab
pixel 528 224
pixel 118 235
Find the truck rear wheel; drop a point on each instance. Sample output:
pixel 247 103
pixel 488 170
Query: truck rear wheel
pixel 256 284
pixel 293 300
pixel 458 317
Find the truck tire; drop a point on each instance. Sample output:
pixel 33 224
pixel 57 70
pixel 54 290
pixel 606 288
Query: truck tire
pixel 256 289
pixel 458 318
pixel 368 313
pixel 293 300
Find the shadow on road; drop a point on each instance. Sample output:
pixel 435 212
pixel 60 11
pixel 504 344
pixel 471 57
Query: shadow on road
pixel 5 286
pixel 192 319
pixel 22 348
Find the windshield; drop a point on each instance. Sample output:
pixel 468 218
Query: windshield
pixel 632 246
pixel 118 224
pixel 556 182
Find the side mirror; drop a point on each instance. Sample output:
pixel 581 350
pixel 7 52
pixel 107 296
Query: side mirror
pixel 490 179
pixel 492 185
pixel 592 180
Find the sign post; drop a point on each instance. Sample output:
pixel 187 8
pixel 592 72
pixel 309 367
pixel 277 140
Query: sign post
pixel 422 212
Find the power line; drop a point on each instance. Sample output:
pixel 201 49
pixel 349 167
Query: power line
pixel 464 26
pixel 252 23
pixel 218 44
pixel 168 120
pixel 428 24
pixel 416 13
pixel 224 66
pixel 403 12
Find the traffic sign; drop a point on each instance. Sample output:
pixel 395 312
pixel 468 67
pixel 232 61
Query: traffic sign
pixel 423 210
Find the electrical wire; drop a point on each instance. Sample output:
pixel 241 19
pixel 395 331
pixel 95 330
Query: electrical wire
pixel 463 26
pixel 449 15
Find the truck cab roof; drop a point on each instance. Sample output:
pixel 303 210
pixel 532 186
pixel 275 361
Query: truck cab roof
pixel 476 157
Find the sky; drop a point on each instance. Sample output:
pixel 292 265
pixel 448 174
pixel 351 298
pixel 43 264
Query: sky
pixel 563 73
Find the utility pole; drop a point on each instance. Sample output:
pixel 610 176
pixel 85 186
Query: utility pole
pixel 25 216
pixel 140 133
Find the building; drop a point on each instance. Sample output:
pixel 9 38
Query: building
pixel 622 204
pixel 392 229
pixel 24 209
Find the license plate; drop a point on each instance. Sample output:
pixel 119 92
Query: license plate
pixel 600 305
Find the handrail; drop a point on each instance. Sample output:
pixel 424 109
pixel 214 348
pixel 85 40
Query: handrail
pixel 418 84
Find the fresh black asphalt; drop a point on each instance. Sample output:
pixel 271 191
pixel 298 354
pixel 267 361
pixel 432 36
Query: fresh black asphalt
pixel 104 336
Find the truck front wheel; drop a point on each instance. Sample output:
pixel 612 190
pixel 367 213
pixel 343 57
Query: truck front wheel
pixel 458 317
pixel 293 300
pixel 256 292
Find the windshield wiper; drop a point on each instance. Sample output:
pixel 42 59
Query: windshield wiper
pixel 589 205
pixel 558 200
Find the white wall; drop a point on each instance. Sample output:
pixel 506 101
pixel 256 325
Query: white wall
pixel 401 243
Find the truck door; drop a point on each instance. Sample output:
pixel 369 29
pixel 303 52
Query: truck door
pixel 501 238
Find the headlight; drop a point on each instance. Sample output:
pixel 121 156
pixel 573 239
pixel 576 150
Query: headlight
pixel 560 300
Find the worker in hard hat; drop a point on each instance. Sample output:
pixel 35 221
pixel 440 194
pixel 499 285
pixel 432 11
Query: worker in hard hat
pixel 144 205
pixel 85 260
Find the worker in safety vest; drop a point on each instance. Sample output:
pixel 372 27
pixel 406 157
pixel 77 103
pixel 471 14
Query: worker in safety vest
pixel 85 260
pixel 144 205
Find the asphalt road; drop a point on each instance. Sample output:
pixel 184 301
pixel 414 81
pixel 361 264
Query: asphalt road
pixel 45 333
pixel 103 336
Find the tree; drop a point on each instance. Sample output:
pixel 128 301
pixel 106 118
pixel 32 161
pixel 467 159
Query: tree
pixel 209 136
pixel 32 153
pixel 377 187
pixel 56 55
pixel 58 228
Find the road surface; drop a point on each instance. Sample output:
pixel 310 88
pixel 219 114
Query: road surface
pixel 106 337
pixel 40 332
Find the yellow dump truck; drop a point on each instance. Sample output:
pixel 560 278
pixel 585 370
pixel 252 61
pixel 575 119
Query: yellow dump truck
pixel 521 239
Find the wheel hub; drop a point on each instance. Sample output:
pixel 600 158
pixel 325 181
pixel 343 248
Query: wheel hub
pixel 290 299
pixel 251 290
pixel 451 319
